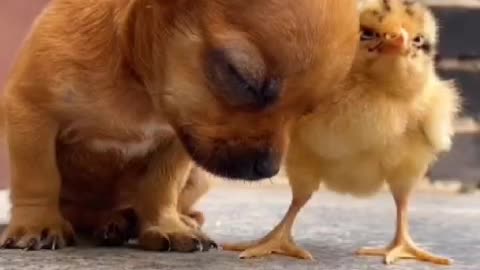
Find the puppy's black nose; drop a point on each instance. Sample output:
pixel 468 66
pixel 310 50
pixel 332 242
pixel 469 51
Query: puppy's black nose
pixel 266 165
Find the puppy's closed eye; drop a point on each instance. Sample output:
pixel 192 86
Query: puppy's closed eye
pixel 240 81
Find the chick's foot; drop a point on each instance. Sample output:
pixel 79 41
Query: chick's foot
pixel 404 250
pixel 274 244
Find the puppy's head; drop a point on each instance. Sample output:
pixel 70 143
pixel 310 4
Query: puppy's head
pixel 237 72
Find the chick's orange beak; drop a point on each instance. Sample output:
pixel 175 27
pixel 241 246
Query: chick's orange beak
pixel 396 43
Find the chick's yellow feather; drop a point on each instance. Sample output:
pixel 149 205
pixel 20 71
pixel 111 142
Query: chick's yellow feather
pixel 385 124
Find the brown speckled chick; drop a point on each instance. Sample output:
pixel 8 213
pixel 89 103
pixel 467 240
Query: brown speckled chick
pixel 385 124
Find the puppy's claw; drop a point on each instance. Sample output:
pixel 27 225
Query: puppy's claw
pixel 213 245
pixel 9 243
pixel 208 244
pixel 54 243
pixel 198 245
pixel 32 245
pixel 113 233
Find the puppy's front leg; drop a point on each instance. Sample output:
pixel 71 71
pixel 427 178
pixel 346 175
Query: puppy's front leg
pixel 198 184
pixel 162 226
pixel 35 187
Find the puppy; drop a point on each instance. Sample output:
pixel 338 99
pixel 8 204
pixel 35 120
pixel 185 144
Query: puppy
pixel 110 101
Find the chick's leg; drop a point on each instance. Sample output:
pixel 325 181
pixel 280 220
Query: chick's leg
pixel 403 246
pixel 304 181
pixel 279 240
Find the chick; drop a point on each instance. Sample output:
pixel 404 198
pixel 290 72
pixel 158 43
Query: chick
pixel 386 123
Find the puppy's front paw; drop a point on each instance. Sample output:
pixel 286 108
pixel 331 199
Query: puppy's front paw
pixel 117 229
pixel 197 217
pixel 112 234
pixel 34 228
pixel 194 220
pixel 178 236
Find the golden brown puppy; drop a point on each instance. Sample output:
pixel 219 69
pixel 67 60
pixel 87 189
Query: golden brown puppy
pixel 110 100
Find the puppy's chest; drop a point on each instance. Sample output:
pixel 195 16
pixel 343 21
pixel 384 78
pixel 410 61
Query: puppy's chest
pixel 127 141
pixel 139 144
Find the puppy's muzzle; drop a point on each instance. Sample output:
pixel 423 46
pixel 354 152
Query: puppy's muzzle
pixel 240 164
pixel 236 162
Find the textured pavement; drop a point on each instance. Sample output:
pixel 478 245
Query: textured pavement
pixel 332 227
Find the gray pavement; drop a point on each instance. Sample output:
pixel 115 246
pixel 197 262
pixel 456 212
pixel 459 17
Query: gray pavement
pixel 332 227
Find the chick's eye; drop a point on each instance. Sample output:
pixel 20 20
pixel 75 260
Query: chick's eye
pixel 367 34
pixel 418 41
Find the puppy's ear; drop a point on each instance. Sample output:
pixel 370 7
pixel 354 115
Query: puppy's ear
pixel 361 4
pixel 143 25
pixel 364 4
pixel 136 30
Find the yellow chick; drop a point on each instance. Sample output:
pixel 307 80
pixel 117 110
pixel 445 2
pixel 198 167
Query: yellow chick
pixel 385 124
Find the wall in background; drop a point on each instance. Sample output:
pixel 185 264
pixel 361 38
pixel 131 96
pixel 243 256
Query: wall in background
pixel 460 60
pixel 16 16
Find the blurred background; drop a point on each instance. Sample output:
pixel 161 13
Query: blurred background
pixel 459 58
pixel 16 16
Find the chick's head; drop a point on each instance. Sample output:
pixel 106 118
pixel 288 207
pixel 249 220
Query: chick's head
pixel 398 40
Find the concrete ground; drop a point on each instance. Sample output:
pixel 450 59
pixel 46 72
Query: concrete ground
pixel 332 227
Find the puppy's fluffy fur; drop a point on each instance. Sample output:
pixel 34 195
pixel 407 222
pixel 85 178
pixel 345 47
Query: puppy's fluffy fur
pixel 110 100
